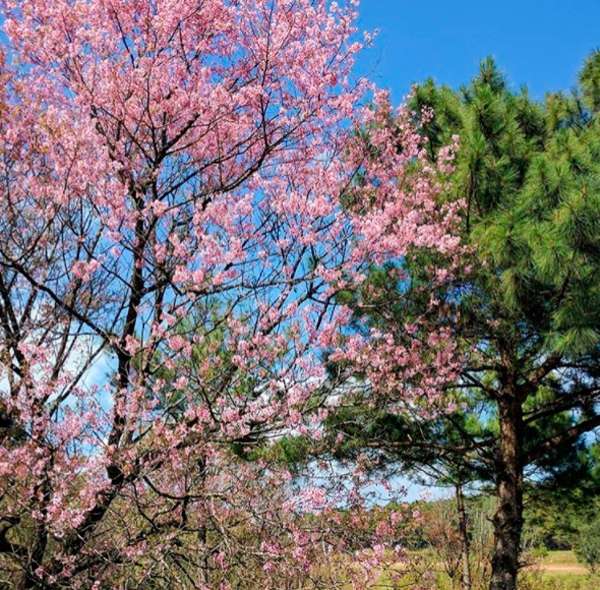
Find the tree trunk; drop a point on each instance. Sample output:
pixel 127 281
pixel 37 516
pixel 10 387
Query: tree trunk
pixel 35 560
pixel 508 519
pixel 464 538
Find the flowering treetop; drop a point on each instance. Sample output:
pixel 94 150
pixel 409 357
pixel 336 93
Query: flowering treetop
pixel 174 196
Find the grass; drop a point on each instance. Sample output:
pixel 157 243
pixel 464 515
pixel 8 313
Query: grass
pixel 560 570
pixel 560 558
pixel 557 570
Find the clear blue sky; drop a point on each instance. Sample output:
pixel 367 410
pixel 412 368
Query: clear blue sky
pixel 540 43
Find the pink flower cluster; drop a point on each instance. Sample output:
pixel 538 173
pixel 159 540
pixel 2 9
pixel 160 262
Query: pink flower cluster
pixel 183 197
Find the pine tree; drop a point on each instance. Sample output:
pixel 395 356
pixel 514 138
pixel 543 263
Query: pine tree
pixel 527 310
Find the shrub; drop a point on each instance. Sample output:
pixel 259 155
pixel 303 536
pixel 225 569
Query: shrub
pixel 587 545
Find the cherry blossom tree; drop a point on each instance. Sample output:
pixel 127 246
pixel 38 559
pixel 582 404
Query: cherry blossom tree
pixel 174 207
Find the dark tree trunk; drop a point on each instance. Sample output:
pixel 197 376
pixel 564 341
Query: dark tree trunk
pixel 29 578
pixel 203 531
pixel 463 528
pixel 508 519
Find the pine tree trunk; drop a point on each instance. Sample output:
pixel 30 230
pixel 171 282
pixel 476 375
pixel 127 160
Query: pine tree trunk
pixel 508 519
pixel 464 539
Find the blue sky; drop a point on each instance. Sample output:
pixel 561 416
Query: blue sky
pixel 540 43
